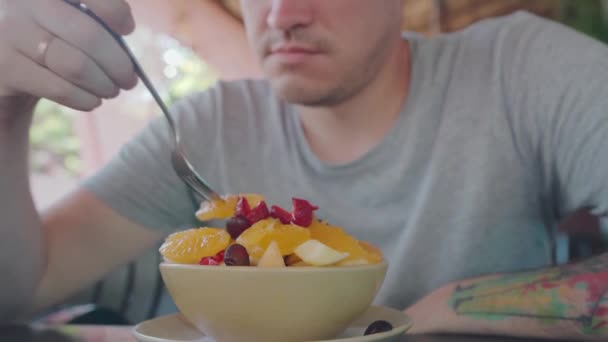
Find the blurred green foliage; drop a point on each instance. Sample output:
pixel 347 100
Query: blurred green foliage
pixel 192 75
pixel 588 16
pixel 53 140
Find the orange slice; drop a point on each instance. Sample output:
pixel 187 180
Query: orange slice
pixel 259 236
pixel 373 254
pixel 189 246
pixel 337 239
pixel 218 210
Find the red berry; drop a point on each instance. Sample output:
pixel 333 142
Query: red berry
pixel 237 225
pixel 210 261
pixel 302 218
pixel 219 257
pixel 236 255
pixel 299 204
pixel 258 213
pixel 302 212
pixel 242 207
pixel 281 214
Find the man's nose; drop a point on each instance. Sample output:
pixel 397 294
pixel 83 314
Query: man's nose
pixel 288 14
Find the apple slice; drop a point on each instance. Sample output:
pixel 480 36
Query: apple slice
pixel 317 253
pixel 272 257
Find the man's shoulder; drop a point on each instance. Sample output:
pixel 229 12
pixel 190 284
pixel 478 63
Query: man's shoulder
pixel 518 43
pixel 533 34
pixel 520 21
pixel 513 19
pixel 488 37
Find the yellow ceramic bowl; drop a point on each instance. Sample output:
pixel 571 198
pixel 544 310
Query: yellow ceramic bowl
pixel 236 304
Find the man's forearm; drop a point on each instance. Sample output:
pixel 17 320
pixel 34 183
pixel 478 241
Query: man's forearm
pixel 569 301
pixel 21 258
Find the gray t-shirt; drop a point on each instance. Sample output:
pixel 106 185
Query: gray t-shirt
pixel 504 132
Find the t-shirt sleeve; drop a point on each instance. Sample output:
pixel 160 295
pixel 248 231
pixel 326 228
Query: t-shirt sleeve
pixel 557 81
pixel 139 182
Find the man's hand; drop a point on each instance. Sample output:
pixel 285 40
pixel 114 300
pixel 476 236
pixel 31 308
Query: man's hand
pixel 569 302
pixel 51 50
pixel 48 49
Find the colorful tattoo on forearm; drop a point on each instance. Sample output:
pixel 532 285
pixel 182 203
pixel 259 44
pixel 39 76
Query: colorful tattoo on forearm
pixel 576 293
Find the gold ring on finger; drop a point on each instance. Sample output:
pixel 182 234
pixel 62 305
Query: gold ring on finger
pixel 42 49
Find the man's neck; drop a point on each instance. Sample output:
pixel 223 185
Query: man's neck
pixel 344 133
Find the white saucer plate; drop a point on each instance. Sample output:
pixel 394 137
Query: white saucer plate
pixel 173 328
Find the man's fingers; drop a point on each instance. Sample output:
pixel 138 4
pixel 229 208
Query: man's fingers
pixel 63 59
pixel 87 35
pixel 47 84
pixel 76 67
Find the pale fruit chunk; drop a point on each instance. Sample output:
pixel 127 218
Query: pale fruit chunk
pixel 272 256
pixel 253 261
pixel 318 254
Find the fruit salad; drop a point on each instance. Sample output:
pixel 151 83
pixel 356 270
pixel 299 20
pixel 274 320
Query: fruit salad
pixel 256 235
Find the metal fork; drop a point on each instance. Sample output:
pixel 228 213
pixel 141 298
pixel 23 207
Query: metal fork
pixel 183 168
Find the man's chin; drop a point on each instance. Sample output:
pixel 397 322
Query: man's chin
pixel 298 93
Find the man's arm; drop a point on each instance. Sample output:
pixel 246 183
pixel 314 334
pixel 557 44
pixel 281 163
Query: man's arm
pixel 569 302
pixel 85 240
pixel 47 257
pixel 44 258
pixel 20 224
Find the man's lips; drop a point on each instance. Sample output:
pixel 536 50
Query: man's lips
pixel 293 49
pixel 292 53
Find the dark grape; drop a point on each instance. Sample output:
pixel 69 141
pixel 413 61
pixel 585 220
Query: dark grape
pixel 377 327
pixel 236 226
pixel 236 255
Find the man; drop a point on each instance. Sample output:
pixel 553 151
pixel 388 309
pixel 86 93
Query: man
pixel 456 155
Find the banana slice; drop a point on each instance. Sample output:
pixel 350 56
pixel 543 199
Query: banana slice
pixel 317 253
pixel 272 256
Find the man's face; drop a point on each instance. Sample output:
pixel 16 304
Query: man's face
pixel 321 52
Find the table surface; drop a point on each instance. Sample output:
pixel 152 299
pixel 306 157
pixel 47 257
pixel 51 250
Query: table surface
pixel 66 333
